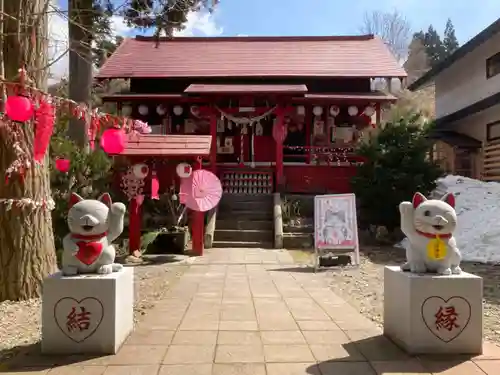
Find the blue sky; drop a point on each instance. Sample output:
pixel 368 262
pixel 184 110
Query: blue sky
pixel 337 17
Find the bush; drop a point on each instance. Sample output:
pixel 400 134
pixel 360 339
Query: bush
pixel 397 165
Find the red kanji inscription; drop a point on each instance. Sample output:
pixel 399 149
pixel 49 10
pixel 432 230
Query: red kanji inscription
pixel 78 320
pixel 446 318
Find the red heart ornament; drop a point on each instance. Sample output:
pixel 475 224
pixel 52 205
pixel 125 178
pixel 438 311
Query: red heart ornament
pixel 88 252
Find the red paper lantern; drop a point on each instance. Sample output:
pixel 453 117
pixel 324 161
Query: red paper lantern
pixel 113 141
pixel 19 108
pixel 62 165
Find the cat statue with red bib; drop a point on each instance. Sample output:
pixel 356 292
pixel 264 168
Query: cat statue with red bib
pixel 429 225
pixel 93 226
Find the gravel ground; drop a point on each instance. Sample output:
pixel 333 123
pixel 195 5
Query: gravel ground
pixel 20 321
pixel 363 287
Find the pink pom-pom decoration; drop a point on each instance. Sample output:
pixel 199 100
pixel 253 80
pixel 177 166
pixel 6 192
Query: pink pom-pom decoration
pixel 113 141
pixel 19 108
pixel 62 165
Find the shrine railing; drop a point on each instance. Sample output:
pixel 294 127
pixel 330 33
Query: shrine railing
pixel 320 155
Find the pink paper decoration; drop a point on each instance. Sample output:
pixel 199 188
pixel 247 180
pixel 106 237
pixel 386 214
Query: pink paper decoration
pixel 19 108
pixel 44 126
pixel 113 141
pixel 155 186
pixel 62 165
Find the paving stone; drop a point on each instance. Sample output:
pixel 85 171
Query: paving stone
pixel 292 369
pixel 490 367
pixel 411 367
pixel 78 370
pixel 238 338
pixel 139 355
pixel 346 368
pixel 282 337
pixel 239 369
pixel 326 337
pixel 132 370
pixel 453 368
pixel 239 354
pixel 195 338
pixel 321 325
pixel 235 325
pixel 336 352
pixel 189 354
pixel 288 353
pixel 142 336
pixel 198 369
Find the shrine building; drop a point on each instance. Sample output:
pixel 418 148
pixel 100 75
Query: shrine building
pixel 283 113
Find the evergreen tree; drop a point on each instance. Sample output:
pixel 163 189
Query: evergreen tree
pixel 434 46
pixel 450 41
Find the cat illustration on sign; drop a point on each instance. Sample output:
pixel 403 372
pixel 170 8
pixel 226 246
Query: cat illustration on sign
pixel 429 226
pixel 93 226
pixel 336 230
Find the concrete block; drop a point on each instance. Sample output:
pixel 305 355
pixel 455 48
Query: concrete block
pixel 428 314
pixel 87 314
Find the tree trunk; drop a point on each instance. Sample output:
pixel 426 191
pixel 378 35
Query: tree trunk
pixel 80 63
pixel 27 253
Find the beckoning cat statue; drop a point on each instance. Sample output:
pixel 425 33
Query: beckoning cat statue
pixel 429 226
pixel 93 226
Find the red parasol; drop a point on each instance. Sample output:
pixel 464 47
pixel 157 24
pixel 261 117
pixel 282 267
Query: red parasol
pixel 205 191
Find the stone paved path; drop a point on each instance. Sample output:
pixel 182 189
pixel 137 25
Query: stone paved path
pixel 251 312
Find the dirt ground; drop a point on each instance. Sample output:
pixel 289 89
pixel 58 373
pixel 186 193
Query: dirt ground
pixel 20 322
pixel 363 287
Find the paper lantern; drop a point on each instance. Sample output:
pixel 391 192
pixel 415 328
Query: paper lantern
pixel 178 110
pixel 184 170
pixel 19 108
pixel 140 170
pixel 369 111
pixel 143 110
pixel 113 141
pixel 301 111
pixel 126 110
pixel 161 110
pixel 318 110
pixel 334 110
pixel 62 165
pixel 352 110
pixel 195 111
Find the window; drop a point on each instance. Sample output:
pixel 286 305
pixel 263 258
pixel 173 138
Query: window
pixel 493 66
pixel 493 131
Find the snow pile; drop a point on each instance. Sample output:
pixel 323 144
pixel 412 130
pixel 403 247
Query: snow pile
pixel 478 211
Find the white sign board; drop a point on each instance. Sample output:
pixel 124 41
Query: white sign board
pixel 335 224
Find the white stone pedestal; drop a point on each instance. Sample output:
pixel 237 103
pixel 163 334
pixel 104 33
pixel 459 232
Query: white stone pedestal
pixel 87 314
pixel 428 314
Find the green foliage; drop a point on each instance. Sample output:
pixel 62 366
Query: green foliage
pixel 450 41
pixel 163 15
pixel 438 49
pixel 290 209
pixel 90 175
pixel 397 166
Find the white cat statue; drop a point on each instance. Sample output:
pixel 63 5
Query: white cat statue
pixel 429 226
pixel 93 226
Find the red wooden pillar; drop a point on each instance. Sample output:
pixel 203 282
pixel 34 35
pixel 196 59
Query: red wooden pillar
pixel 134 225
pixel 197 224
pixel 279 138
pixel 213 148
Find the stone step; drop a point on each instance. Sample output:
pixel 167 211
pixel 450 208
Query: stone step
pixel 248 235
pixel 248 215
pixel 239 244
pixel 308 229
pixel 237 224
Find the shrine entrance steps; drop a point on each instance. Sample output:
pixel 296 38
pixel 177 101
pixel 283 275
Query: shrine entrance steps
pixel 245 220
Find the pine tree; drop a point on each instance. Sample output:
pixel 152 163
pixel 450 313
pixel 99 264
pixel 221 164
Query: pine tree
pixel 434 46
pixel 450 41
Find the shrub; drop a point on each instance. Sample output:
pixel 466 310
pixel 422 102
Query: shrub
pixel 397 165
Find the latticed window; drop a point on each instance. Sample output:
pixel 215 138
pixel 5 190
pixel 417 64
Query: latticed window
pixel 493 65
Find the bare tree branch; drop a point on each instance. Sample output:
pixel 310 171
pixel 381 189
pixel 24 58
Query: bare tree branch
pixel 393 28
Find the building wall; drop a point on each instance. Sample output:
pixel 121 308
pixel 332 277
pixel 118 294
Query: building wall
pixel 465 82
pixel 475 126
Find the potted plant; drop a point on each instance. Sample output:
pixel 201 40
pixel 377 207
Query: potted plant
pixel 166 217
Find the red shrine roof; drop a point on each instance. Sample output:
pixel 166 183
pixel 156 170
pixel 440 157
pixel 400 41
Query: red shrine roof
pixel 168 145
pixel 245 89
pixel 320 56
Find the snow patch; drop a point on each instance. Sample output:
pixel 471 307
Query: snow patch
pixel 478 212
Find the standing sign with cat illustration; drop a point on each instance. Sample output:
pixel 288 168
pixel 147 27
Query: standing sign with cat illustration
pixel 429 225
pixel 335 224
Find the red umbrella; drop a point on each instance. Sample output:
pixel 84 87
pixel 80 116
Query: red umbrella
pixel 205 191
